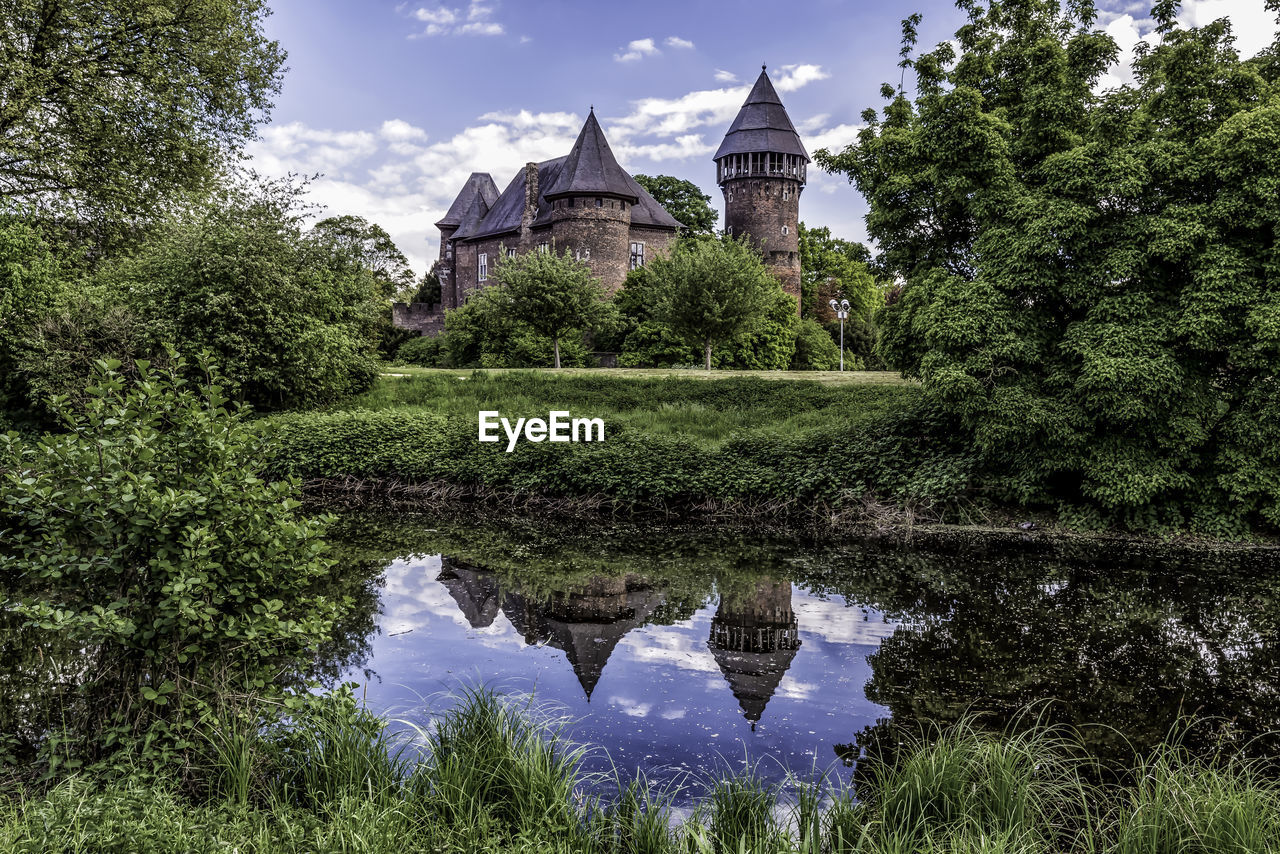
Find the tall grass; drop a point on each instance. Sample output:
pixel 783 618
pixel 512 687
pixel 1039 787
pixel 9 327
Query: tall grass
pixel 491 775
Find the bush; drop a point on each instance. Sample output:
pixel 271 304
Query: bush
pixel 814 349
pixel 144 537
pixel 420 350
pixel 30 289
pixel 293 319
pixel 483 333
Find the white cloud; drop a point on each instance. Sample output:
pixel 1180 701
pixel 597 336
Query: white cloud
pixel 637 49
pixel 723 76
pixel 1253 26
pixel 676 41
pixel 795 76
pixel 445 21
pixel 832 138
pixel 404 180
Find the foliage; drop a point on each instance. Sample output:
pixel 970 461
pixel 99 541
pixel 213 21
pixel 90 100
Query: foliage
pixel 1090 278
pixel 428 289
pixel 483 332
pixel 711 290
pixel 369 246
pixel 962 790
pixel 144 535
pixel 768 342
pixel 683 200
pixel 293 319
pixel 551 295
pixel 814 349
pixel 112 107
pixel 421 350
pixel 833 268
pixel 31 288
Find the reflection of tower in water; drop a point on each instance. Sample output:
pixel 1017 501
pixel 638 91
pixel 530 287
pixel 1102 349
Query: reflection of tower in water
pixel 586 624
pixel 754 637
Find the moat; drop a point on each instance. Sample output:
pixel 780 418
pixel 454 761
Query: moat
pixel 679 651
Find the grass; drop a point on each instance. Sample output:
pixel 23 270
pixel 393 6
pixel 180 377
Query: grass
pixel 709 408
pixel 492 776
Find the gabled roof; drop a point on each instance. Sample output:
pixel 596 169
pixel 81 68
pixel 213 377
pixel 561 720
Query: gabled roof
pixel 592 168
pixel 762 125
pixel 478 184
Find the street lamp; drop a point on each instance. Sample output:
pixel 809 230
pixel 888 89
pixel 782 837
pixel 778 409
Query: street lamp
pixel 842 311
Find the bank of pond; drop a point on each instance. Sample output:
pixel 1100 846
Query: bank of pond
pixel 506 681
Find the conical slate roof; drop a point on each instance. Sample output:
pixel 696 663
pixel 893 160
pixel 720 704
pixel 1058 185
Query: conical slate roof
pixel 474 217
pixel 478 184
pixel 475 590
pixel 592 168
pixel 762 125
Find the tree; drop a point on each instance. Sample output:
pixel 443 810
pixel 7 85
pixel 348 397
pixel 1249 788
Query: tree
pixel 110 108
pixel 554 295
pixel 1090 278
pixel 31 288
pixel 835 268
pixel 292 318
pixel 683 200
pixel 711 290
pixel 368 245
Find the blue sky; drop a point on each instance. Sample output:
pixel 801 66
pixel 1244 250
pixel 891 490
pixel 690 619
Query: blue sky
pixel 397 102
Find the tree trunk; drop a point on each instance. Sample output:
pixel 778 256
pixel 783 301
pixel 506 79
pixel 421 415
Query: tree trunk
pixel 557 354
pixel 708 354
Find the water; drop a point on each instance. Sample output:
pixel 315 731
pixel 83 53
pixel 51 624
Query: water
pixel 681 650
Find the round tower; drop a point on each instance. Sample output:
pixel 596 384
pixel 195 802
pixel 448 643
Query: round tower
pixel 761 168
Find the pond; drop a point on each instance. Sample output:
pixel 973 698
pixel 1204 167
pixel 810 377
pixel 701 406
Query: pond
pixel 679 650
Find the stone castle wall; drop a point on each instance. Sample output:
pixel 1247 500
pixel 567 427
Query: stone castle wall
pixel 762 207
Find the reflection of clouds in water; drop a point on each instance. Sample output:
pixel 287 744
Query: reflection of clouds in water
pixel 631 708
pixel 832 621
pixel 794 689
pixel 683 646
pixel 672 714
pixel 413 597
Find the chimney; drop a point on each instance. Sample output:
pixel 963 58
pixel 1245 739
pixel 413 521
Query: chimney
pixel 530 200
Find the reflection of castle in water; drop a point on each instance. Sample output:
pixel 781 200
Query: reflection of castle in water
pixel 585 624
pixel 754 637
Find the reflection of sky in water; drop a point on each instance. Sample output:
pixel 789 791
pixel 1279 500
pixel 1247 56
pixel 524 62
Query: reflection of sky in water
pixel 663 701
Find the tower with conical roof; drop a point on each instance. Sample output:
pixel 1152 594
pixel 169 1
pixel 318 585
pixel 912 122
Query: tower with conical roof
pixel 761 167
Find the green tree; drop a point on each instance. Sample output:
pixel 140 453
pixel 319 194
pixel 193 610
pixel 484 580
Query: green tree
pixel 145 535
pixel 711 290
pixel 683 200
pixel 1091 281
pixel 109 108
pixel 368 245
pixel 831 267
pixel 293 318
pixel 553 295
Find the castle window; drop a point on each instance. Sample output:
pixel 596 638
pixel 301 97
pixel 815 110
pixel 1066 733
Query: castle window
pixel 448 251
pixel 785 195
pixel 637 255
pixel 731 195
pixel 544 248
pixel 511 253
pixel 482 267
pixel 599 203
pixel 786 230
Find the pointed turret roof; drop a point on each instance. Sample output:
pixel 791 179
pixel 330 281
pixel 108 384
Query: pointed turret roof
pixel 762 125
pixel 479 184
pixel 474 217
pixel 592 168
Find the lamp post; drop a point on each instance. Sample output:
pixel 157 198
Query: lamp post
pixel 842 311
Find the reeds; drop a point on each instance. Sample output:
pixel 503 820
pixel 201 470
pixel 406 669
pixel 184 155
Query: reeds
pixel 494 774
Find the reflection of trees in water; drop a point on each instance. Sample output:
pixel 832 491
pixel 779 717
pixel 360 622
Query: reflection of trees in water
pixel 49 682
pixel 1125 649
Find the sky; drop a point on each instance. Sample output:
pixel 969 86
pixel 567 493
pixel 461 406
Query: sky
pixel 393 104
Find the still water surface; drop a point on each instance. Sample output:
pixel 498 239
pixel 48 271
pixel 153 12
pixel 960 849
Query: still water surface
pixel 676 650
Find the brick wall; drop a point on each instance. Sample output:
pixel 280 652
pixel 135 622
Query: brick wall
pixel 762 207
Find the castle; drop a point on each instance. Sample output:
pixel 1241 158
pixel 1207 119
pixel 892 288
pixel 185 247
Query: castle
pixel 586 203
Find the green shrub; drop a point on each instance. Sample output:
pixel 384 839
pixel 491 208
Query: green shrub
pixel 422 350
pixel 814 349
pixel 144 537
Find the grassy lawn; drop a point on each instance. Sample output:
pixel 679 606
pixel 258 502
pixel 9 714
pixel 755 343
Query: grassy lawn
pixel 820 377
pixel 709 407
